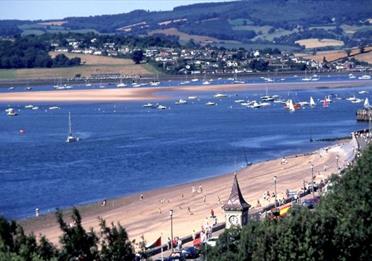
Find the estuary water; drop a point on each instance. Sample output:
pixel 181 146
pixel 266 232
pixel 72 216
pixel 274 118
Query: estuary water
pixel 126 148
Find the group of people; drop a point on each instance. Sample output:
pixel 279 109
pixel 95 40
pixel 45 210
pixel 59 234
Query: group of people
pixel 194 190
pixel 176 242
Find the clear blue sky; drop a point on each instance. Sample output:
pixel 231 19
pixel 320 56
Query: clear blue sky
pixel 56 9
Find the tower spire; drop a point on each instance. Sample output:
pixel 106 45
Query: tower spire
pixel 236 200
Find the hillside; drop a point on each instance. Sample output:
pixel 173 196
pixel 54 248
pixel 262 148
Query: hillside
pixel 248 22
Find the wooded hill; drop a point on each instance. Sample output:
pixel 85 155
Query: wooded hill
pixel 259 21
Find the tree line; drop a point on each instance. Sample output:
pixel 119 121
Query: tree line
pixel 111 243
pixel 31 52
pixel 339 229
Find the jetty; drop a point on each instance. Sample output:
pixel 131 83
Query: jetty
pixel 364 114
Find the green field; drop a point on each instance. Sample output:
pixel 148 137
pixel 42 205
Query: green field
pixel 8 74
pixel 256 46
pixel 240 22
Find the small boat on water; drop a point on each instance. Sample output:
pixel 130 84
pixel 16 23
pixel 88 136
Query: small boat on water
pixel 149 105
pixel 351 99
pixel 254 105
pixel 180 102
pixel 11 112
pixel 239 101
pixel 192 97
pixel 366 104
pixel 220 95
pixel 161 107
pixel 11 88
pixel 290 105
pixel 363 92
pixel 303 103
pixel 238 82
pixel 30 106
pixel 206 82
pixel 54 108
pixel 267 98
pixel 194 80
pixel 28 88
pixel 357 100
pixel 121 84
pixel 264 104
pixel 351 76
pixel 364 77
pixel 154 83
pixel 70 137
pixel 325 103
pixel 211 103
pixel 280 101
pixel 312 102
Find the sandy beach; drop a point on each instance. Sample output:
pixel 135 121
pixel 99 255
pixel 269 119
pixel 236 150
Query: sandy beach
pixel 159 93
pixel 150 216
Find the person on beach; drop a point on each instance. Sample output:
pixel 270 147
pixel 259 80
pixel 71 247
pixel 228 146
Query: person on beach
pixel 141 196
pixel 212 213
pixel 179 244
pixel 205 198
pixel 193 190
pixel 103 203
pixel 37 212
pixel 189 210
pixel 200 189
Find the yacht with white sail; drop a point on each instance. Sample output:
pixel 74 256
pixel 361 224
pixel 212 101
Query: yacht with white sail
pixel 71 138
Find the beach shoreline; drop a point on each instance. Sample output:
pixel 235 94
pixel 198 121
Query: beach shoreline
pixel 149 216
pixel 162 93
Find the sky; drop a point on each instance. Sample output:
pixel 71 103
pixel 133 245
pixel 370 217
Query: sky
pixel 56 9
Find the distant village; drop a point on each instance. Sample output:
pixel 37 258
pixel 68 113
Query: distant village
pixel 213 60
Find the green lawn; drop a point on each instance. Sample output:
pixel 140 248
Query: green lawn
pixel 7 74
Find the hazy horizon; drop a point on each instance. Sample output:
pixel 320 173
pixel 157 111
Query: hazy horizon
pixel 58 9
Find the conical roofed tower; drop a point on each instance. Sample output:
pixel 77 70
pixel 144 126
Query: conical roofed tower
pixel 236 208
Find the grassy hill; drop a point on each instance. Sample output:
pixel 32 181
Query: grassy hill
pixel 251 21
pixel 92 64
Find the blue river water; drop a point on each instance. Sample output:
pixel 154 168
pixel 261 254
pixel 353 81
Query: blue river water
pixel 126 148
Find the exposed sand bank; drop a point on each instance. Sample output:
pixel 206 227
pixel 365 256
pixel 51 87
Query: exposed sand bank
pixel 150 216
pixel 159 93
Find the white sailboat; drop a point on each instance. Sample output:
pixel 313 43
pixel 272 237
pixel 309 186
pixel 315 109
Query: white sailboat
pixel 71 138
pixel 121 84
pixel 312 102
pixel 366 104
pixel 290 105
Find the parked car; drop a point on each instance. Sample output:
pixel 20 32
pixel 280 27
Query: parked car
pixel 311 202
pixel 190 252
pixel 176 256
